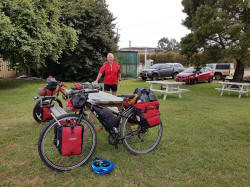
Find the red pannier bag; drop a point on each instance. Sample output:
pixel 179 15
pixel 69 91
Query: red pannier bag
pixel 45 113
pixel 68 138
pixel 149 113
pixel 69 106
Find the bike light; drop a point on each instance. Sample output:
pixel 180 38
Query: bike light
pixel 35 98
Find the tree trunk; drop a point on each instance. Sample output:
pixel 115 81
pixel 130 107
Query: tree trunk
pixel 239 71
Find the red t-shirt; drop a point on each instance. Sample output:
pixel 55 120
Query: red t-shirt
pixel 111 72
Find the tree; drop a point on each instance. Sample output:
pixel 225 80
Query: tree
pixel 169 45
pixel 93 23
pixel 220 30
pixel 30 33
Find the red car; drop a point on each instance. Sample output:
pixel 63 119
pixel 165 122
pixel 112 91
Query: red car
pixel 192 76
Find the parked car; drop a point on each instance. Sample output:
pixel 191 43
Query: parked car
pixel 157 71
pixel 222 70
pixel 193 76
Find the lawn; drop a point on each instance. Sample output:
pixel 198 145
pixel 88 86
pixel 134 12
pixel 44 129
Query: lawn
pixel 205 142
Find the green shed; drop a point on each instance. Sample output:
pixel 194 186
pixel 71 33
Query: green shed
pixel 128 61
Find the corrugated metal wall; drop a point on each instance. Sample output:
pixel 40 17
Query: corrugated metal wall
pixel 129 60
pixel 5 71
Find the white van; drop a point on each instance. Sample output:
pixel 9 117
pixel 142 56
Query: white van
pixel 222 70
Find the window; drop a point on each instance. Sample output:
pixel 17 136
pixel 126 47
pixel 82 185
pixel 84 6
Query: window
pixel 222 66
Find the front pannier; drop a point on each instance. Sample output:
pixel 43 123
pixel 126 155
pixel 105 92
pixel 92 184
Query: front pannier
pixel 68 138
pixel 149 113
pixel 45 113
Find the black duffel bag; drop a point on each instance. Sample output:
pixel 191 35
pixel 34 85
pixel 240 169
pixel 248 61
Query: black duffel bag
pixel 145 95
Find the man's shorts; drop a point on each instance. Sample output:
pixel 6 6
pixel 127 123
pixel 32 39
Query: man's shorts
pixel 113 87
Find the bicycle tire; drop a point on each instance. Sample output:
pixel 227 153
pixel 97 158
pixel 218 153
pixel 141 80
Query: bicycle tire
pixel 135 144
pixel 49 153
pixel 36 109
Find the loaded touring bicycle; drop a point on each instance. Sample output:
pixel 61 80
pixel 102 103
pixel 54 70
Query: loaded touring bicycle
pixel 70 140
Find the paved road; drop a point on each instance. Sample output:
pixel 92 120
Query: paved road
pixel 247 73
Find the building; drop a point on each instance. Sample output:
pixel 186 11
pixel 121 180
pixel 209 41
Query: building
pixel 142 50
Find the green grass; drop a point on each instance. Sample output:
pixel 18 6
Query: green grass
pixel 205 142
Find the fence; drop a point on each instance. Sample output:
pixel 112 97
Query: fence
pixel 6 71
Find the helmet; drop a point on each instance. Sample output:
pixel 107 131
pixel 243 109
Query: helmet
pixel 102 166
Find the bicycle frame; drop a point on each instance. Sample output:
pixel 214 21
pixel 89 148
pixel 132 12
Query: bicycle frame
pixel 114 132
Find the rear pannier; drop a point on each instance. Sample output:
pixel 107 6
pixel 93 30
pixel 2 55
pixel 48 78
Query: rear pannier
pixel 149 113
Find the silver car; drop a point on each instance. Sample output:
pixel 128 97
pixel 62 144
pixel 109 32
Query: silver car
pixel 157 71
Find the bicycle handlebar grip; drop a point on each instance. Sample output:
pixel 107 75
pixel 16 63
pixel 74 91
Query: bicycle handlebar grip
pixel 130 96
pixel 84 91
pixel 91 90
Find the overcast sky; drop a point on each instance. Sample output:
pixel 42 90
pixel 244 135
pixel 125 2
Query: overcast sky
pixel 145 22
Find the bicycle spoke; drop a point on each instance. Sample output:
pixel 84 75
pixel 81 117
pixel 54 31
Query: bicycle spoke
pixel 50 154
pixel 138 140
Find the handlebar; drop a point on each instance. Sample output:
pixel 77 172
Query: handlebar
pixel 130 96
pixel 61 84
pixel 83 91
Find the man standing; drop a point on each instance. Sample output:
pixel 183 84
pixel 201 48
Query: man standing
pixel 112 75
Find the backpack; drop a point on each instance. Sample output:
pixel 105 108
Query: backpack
pixel 51 83
pixel 149 113
pixel 68 138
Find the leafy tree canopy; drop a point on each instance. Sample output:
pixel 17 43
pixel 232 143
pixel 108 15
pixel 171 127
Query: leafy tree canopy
pixel 93 23
pixel 220 29
pixel 30 32
pixel 169 45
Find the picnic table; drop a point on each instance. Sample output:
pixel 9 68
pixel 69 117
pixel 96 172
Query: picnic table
pixel 167 87
pixel 240 87
pixel 106 100
pixel 100 98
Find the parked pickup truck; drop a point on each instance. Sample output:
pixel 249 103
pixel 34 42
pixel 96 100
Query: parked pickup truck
pixel 222 70
pixel 157 71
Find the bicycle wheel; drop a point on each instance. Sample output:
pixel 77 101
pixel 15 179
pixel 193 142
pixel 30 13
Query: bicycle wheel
pixel 36 110
pixel 138 140
pixel 49 153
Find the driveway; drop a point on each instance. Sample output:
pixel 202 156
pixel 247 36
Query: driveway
pixel 247 73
